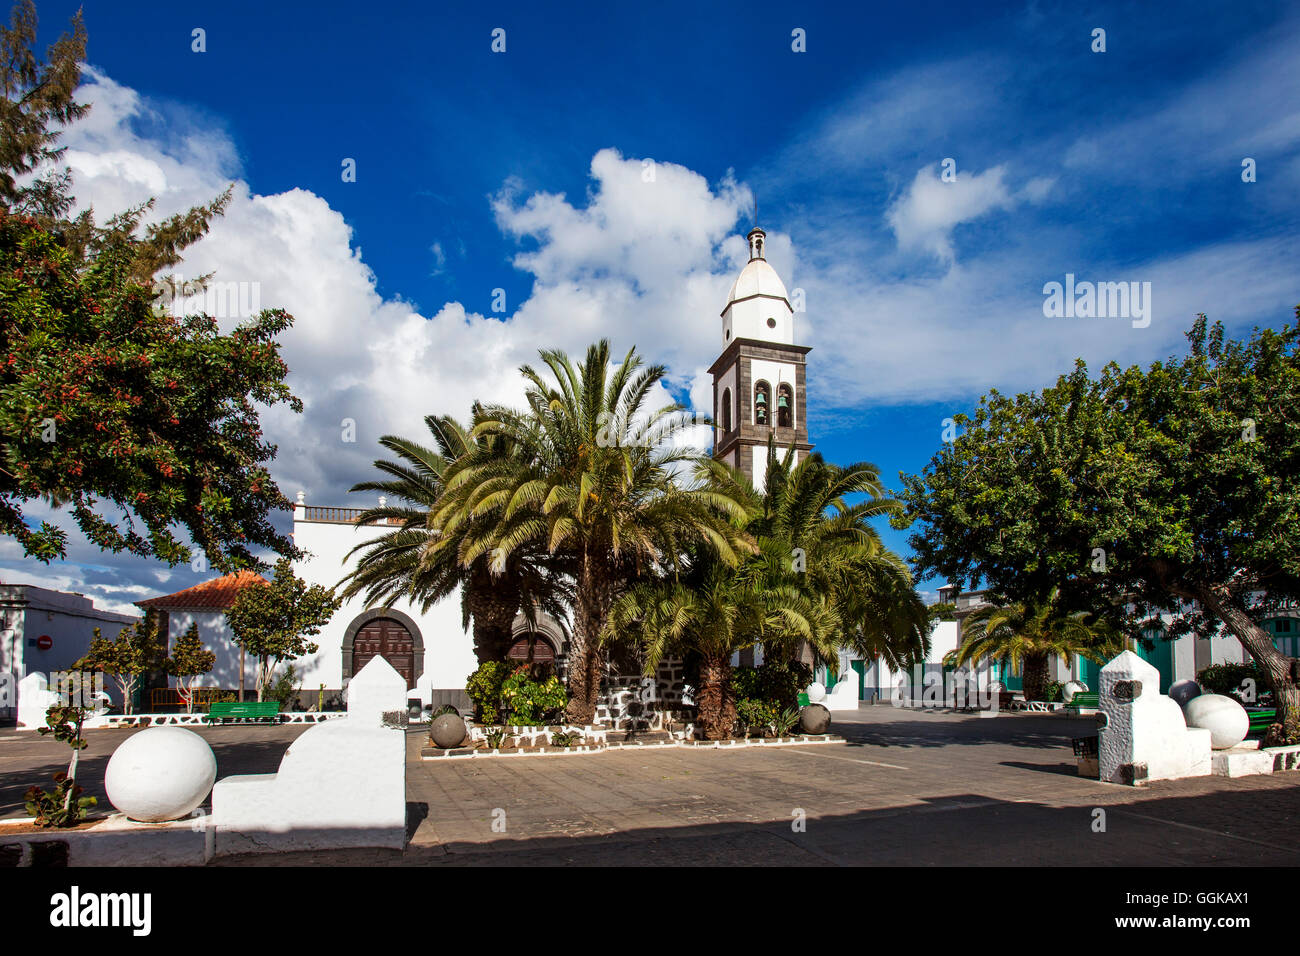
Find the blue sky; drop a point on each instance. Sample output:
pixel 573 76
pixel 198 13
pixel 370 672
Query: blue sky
pixel 522 171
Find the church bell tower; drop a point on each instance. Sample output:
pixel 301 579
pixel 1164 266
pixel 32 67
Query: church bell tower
pixel 759 387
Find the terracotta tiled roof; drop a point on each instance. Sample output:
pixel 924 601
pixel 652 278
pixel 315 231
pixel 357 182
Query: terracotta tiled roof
pixel 217 594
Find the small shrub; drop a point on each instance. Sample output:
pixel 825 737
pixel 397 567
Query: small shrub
pixel 494 737
pixel 484 689
pixel 1053 692
pixel 785 721
pixel 562 739
pixel 1227 679
pixel 53 808
pixel 443 710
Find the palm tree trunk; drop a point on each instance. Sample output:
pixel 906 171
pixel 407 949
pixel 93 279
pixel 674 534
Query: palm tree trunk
pixel 493 605
pixel 1036 669
pixel 715 704
pixel 590 610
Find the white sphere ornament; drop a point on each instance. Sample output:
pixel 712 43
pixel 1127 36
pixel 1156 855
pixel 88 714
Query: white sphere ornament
pixel 1071 688
pixel 1184 690
pixel 1225 719
pixel 159 774
pixel 816 692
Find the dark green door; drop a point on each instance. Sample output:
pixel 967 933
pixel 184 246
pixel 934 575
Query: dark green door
pixel 1088 672
pixel 1161 657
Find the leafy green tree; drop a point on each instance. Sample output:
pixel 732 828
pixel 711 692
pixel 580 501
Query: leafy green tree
pixel 1167 487
pixel 593 480
pixel 400 563
pixel 273 621
pixel 109 405
pixel 188 662
pixel 137 651
pixel 1028 635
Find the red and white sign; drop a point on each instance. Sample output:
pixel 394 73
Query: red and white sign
pixel 45 642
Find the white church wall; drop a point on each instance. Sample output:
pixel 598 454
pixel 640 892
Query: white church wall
pixel 448 647
pixel 217 637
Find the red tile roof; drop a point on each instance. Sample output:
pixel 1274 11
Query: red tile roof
pixel 217 594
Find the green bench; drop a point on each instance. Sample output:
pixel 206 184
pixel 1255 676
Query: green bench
pixel 1261 719
pixel 267 711
pixel 1084 698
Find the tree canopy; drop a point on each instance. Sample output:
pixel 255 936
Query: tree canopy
pixel 1171 487
pixel 143 423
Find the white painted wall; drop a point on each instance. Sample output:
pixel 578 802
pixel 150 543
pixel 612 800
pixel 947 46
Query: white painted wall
pixel 448 646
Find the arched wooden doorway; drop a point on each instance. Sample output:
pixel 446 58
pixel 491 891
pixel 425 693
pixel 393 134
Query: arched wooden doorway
pixel 531 647
pixel 387 638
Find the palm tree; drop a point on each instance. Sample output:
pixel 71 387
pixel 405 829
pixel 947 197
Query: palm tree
pixel 820 580
pixel 594 481
pixel 715 610
pixel 402 564
pixel 1026 635
pixel 836 554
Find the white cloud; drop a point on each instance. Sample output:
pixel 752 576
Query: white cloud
pixel 925 216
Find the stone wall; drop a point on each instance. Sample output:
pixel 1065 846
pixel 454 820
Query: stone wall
pixel 638 702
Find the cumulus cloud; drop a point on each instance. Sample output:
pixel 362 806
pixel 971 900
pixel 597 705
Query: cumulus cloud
pixel 925 216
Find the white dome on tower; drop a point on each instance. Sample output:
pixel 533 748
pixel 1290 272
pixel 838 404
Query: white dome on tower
pixel 758 306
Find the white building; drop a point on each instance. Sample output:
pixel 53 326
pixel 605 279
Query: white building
pixel 44 631
pixel 205 605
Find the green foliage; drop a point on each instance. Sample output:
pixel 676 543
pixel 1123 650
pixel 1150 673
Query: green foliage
pixel 531 702
pixel 1227 679
pixel 62 807
pixel 444 709
pixel 776 680
pixel 562 738
pixel 64 724
pixel 189 661
pixel 785 721
pixel 1053 691
pixel 1140 489
pixel 400 561
pixel 285 687
pixel 593 481
pixel 495 737
pixel 507 694
pixel 108 403
pixel 273 621
pixel 137 650
pixel 484 689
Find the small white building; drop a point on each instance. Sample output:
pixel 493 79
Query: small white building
pixel 205 605
pixel 44 631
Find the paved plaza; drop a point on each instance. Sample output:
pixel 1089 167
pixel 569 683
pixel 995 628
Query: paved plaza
pixel 908 787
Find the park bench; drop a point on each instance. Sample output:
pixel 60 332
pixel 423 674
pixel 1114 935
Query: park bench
pixel 267 711
pixel 1084 698
pixel 1261 719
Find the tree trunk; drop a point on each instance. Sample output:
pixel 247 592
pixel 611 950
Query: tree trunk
pixel 715 704
pixel 493 604
pixel 590 609
pixel 1259 645
pixel 1035 680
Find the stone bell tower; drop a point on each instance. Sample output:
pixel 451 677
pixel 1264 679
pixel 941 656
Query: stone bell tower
pixel 759 387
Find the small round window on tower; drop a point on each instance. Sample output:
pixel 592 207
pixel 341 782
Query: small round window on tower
pixel 771 323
